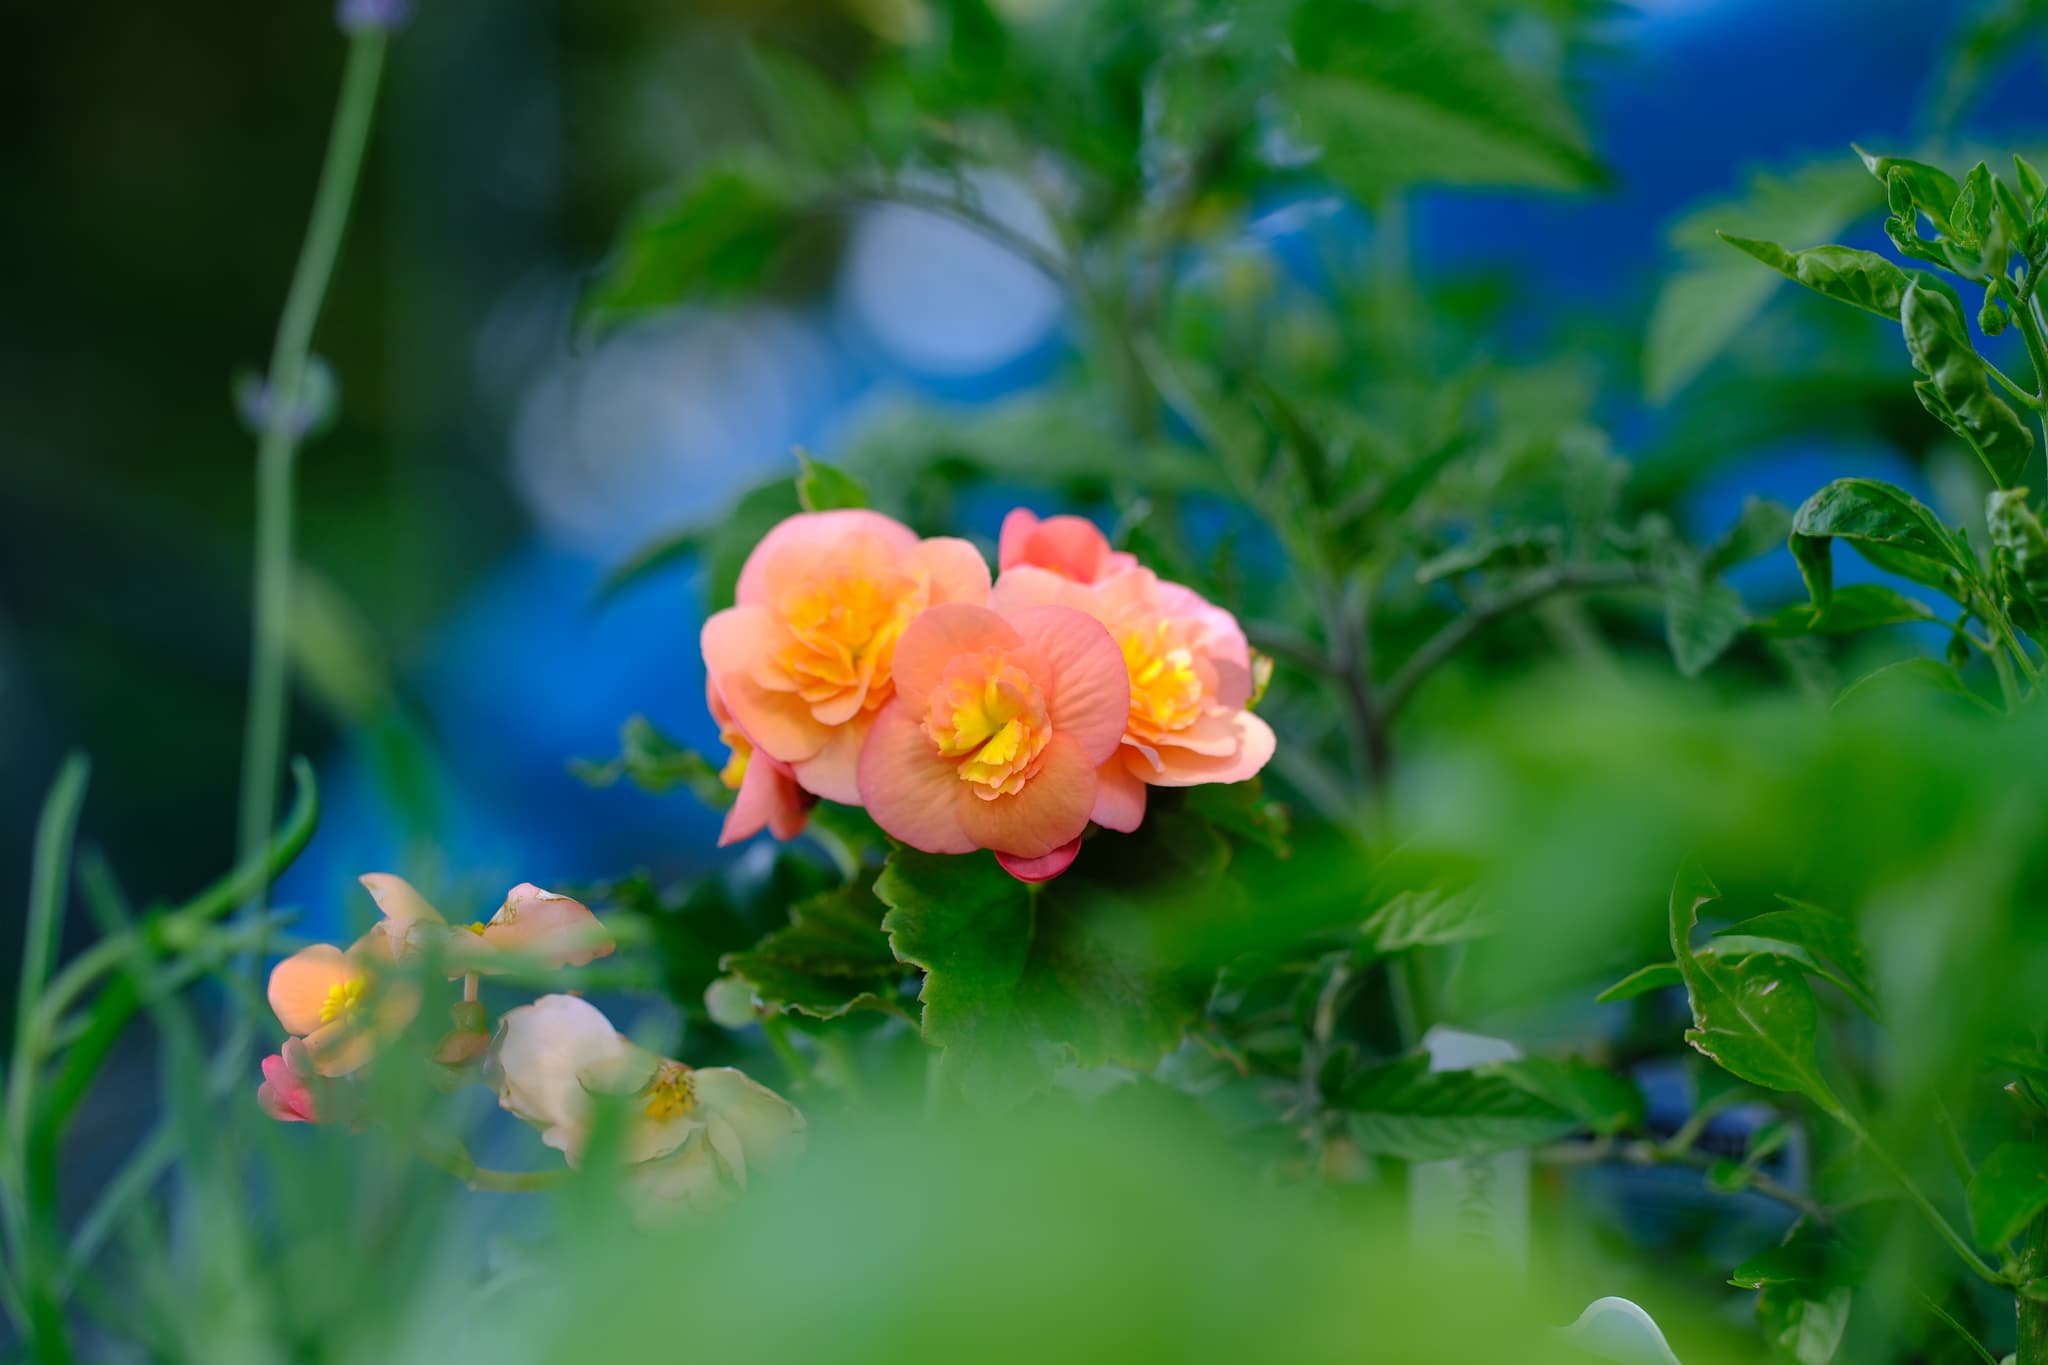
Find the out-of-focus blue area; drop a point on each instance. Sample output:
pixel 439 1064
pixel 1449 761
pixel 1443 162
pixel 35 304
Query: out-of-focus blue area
pixel 659 429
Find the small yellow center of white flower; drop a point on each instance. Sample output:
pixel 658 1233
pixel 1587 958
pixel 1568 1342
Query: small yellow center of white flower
pixel 671 1094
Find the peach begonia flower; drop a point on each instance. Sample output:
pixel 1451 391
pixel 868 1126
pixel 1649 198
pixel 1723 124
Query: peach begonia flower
pixel 536 928
pixel 692 1135
pixel 765 791
pixel 1072 547
pixel 286 1093
pixel 1190 678
pixel 994 737
pixel 805 658
pixel 343 1005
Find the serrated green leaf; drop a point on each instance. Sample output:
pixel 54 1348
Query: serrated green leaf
pixel 832 957
pixel 1959 391
pixel 1914 675
pixel 1403 1109
pixel 1754 1016
pixel 1604 1103
pixel 2009 1190
pixel 821 487
pixel 1858 607
pixel 1829 939
pixel 1700 621
pixel 1655 977
pixel 1427 918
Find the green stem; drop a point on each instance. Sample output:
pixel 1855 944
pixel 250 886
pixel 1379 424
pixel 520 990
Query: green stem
pixel 2031 1313
pixel 776 1029
pixel 1982 1351
pixel 1935 1218
pixel 457 1161
pixel 277 451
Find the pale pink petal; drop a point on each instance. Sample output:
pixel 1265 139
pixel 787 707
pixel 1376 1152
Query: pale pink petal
pixel 1016 534
pixel 556 931
pixel 910 791
pixel 834 771
pixel 1213 734
pixel 816 528
pixel 778 723
pixel 1087 689
pixel 957 571
pixel 1041 869
pixel 769 1129
pixel 735 638
pixel 938 636
pixel 1051 808
pixel 284 1094
pixel 1072 546
pixel 341 1047
pixel 1233 682
pixel 1119 796
pixel 300 985
pixel 1027 585
pixel 547 1058
pixel 768 798
pixel 1181 768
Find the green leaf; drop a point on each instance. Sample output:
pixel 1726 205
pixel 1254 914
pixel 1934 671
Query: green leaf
pixel 2033 190
pixel 1829 939
pixel 1424 919
pixel 2009 1190
pixel 1406 93
pixel 822 487
pixel 1929 189
pixel 1509 549
pixel 721 548
pixel 1883 523
pixel 812 119
pixel 656 764
pixel 1604 1103
pixel 1760 528
pixel 1958 390
pixel 831 959
pixel 1804 1327
pixel 1862 279
pixel 1858 607
pixel 1655 977
pixel 1244 811
pixel 1700 621
pixel 2019 551
pixel 1403 1109
pixel 1755 1016
pixel 1914 675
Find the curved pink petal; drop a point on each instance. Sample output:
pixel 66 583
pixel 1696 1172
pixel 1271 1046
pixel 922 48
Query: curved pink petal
pixel 815 528
pixel 1087 689
pixel 1071 546
pixel 769 799
pixel 734 639
pixel 1016 534
pixel 284 1094
pixel 558 930
pixel 1213 734
pixel 938 636
pixel 1184 768
pixel 300 985
pixel 401 904
pixel 1042 869
pixel 1051 808
pixel 911 792
pixel 778 723
pixel 956 569
pixel 1027 585
pixel 834 771
pixel 1119 796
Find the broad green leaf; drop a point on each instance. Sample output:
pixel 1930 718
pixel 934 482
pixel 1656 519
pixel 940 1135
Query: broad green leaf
pixel 822 487
pixel 1760 528
pixel 1914 675
pixel 1803 1325
pixel 1655 977
pixel 1700 621
pixel 656 764
pixel 2033 190
pixel 1862 279
pixel 1403 1109
pixel 1604 1103
pixel 2019 553
pixel 1427 918
pixel 1858 607
pixel 1755 1016
pixel 1929 189
pixel 1958 390
pixel 2008 1191
pixel 1830 940
pixel 832 958
pixel 1883 523
pixel 1970 218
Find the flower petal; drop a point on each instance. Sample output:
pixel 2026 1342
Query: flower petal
pixel 938 636
pixel 1027 585
pixel 300 985
pixel 769 1128
pixel 1087 689
pixel 1051 808
pixel 1184 768
pixel 1041 869
pixel 545 1060
pixel 1071 546
pixel 834 771
pixel 400 904
pixel 815 528
pixel 778 723
pixel 958 572
pixel 557 931
pixel 1119 796
pixel 911 792
pixel 769 799
pixel 1016 535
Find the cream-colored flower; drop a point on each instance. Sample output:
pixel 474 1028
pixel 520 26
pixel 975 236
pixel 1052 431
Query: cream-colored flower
pixel 693 1135
pixel 533 928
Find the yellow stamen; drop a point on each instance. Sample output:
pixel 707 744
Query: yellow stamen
pixel 344 998
pixel 671 1094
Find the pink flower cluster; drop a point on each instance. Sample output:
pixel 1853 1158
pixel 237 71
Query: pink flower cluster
pixel 863 665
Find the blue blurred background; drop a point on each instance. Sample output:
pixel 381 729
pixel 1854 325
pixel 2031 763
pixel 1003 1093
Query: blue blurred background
pixel 489 467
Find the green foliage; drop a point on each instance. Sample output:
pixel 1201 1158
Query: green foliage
pixel 1403 1109
pixel 833 957
pixel 2009 1190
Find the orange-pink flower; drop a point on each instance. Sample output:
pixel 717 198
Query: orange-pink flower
pixel 765 791
pixel 344 1005
pixel 805 659
pixel 1072 547
pixel 998 725
pixel 287 1092
pixel 1190 677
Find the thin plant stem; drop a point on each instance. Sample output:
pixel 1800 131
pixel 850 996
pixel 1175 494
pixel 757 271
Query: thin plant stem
pixel 277 452
pixel 1935 1218
pixel 776 1029
pixel 457 1161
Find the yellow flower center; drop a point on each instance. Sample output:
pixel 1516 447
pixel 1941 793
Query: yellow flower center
pixel 1166 691
pixel 344 998
pixel 989 714
pixel 477 927
pixel 671 1094
pixel 841 629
